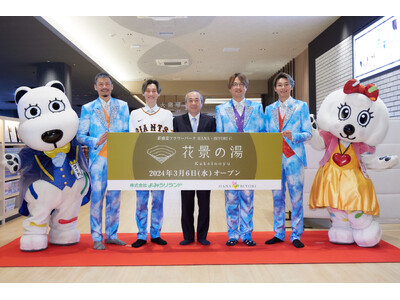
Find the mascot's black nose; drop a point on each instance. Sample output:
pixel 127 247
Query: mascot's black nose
pixel 52 136
pixel 348 129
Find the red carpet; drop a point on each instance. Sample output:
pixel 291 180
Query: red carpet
pixel 317 250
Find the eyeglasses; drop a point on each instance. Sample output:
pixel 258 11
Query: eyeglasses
pixel 235 84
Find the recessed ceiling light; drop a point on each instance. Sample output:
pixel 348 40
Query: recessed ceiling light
pixel 223 100
pixel 166 34
pixel 163 18
pixel 135 46
pixel 230 50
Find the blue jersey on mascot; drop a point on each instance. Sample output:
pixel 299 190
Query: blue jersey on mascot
pixel 351 122
pixel 54 179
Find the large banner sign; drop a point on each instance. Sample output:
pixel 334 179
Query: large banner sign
pixel 194 161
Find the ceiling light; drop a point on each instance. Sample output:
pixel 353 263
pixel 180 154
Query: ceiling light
pixel 135 46
pixel 223 100
pixel 166 34
pixel 163 18
pixel 76 35
pixel 140 100
pixel 230 50
pixel 173 62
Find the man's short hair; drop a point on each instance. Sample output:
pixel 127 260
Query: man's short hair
pixel 284 75
pixel 193 91
pixel 151 81
pixel 102 75
pixel 243 79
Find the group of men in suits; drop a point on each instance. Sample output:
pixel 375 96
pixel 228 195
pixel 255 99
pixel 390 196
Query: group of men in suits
pixel 287 115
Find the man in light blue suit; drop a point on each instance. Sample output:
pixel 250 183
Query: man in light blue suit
pixel 291 117
pixel 239 115
pixel 103 115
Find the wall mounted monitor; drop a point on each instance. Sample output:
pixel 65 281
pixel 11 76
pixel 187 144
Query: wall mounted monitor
pixel 376 48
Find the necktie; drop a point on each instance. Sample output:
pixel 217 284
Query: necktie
pixel 194 125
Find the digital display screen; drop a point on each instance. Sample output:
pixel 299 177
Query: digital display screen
pixel 376 48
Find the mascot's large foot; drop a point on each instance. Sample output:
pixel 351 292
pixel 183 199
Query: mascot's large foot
pixel 64 238
pixel 341 235
pixel 368 237
pixel 33 242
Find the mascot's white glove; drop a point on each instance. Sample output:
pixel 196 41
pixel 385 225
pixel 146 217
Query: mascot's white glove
pixel 373 161
pixel 316 141
pixel 11 162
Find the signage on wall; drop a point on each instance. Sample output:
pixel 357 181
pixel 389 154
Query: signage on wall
pixel 376 48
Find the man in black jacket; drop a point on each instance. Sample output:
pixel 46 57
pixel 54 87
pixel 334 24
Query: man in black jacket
pixel 194 121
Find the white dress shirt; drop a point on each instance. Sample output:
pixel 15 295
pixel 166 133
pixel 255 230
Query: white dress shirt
pixel 284 105
pixel 239 106
pixel 106 105
pixel 151 110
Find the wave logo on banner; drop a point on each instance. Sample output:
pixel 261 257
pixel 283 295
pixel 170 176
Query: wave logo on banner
pixel 161 153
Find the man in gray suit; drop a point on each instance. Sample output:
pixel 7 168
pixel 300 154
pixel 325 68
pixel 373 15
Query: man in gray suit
pixel 194 121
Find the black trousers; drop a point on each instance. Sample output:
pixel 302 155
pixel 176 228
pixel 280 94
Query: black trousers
pixel 187 219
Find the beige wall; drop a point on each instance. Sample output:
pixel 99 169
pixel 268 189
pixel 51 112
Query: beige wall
pixel 175 91
pixel 301 76
pixel 207 88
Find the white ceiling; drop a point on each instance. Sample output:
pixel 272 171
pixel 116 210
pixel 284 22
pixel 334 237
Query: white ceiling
pixel 128 47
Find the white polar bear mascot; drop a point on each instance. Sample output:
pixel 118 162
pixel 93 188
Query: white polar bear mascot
pixel 351 122
pixel 54 178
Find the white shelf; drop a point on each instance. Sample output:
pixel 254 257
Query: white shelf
pixel 11 213
pixel 11 178
pixel 11 195
pixel 11 124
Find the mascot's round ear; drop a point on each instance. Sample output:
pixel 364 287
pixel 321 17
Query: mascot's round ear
pixel 56 84
pixel 20 92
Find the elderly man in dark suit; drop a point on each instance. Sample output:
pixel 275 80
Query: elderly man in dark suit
pixel 194 121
